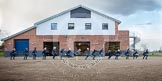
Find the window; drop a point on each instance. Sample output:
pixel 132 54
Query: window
pixel 87 26
pixel 80 13
pixel 104 26
pixel 70 26
pixel 53 26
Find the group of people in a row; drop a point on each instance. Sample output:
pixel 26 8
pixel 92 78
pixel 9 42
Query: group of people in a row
pixel 136 54
pixel 87 53
pixel 13 54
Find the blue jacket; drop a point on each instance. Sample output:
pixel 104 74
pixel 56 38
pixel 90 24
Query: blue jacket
pixel 54 52
pixel 101 51
pixel 44 52
pixel 127 53
pixel 69 53
pixel 26 52
pixel 145 52
pixel 13 53
pixel 135 52
pixel 109 53
pixel 117 53
pixel 77 53
pixel 94 53
pixel 61 52
pixel 34 52
pixel 87 52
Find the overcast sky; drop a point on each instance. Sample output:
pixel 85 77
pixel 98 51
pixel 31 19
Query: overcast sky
pixel 144 17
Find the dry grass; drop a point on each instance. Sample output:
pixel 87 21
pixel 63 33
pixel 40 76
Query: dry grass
pixel 76 69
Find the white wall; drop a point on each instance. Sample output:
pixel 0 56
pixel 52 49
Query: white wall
pixel 79 29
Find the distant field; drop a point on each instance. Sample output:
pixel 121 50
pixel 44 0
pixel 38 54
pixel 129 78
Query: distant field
pixel 156 54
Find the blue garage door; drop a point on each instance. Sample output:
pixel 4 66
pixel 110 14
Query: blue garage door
pixel 20 46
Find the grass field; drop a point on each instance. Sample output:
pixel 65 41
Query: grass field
pixel 156 54
pixel 77 69
pixel 1 53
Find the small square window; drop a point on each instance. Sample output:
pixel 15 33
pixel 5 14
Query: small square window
pixel 88 26
pixel 104 26
pixel 53 26
pixel 71 26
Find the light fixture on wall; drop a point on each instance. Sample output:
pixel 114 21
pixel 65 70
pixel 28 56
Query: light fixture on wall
pixel 9 43
pixel 32 43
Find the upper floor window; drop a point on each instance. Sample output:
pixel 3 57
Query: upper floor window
pixel 88 26
pixel 104 26
pixel 71 26
pixel 53 26
pixel 80 13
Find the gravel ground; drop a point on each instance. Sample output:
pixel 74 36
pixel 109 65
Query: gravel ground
pixel 77 69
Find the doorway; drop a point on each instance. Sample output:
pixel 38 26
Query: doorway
pixel 113 46
pixel 20 45
pixel 49 46
pixel 81 45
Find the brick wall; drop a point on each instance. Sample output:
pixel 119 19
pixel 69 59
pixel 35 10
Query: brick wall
pixel 96 41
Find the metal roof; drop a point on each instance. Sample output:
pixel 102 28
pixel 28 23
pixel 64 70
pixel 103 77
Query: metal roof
pixel 18 33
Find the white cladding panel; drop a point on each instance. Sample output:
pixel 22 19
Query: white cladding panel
pixel 79 29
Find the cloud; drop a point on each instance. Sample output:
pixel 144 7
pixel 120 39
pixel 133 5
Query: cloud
pixel 147 23
pixel 160 25
pixel 45 7
pixel 23 13
pixel 148 34
pixel 0 17
pixel 127 7
pixel 20 14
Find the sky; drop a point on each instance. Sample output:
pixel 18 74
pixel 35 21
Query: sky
pixel 142 17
